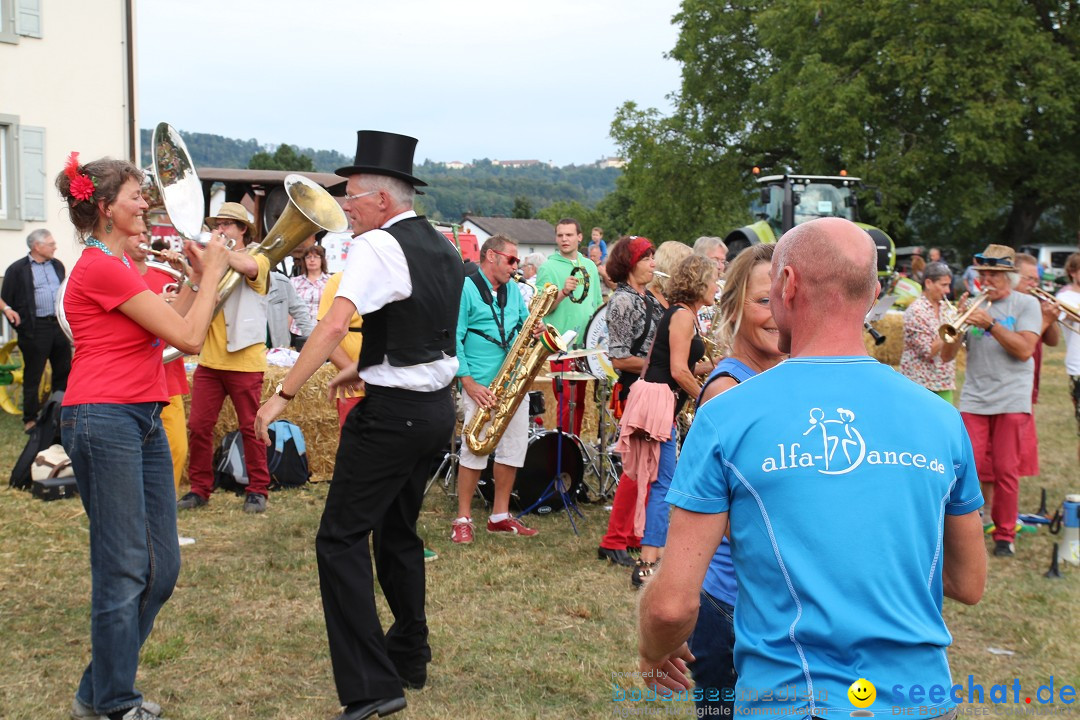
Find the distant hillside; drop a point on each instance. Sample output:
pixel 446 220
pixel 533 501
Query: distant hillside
pixel 482 188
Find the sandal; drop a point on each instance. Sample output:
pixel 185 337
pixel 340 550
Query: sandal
pixel 643 572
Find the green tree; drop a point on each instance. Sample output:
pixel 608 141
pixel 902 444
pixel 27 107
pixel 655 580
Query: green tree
pixel 284 158
pixel 522 208
pixel 965 120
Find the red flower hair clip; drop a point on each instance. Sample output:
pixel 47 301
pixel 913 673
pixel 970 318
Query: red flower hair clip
pixel 81 185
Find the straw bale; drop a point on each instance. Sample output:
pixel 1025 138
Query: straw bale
pixel 316 416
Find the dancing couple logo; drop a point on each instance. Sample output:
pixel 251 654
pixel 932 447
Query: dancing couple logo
pixel 834 446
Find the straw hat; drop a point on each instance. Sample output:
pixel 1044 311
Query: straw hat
pixel 996 258
pixel 230 211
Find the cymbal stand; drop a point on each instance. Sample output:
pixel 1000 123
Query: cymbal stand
pixel 597 459
pixel 559 483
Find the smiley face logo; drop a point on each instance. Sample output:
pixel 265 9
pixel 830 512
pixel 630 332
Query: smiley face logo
pixel 862 693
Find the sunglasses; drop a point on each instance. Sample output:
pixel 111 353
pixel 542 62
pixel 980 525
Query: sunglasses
pixel 512 259
pixel 981 259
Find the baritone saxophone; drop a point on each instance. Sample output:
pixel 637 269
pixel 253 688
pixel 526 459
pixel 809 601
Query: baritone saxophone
pixel 519 369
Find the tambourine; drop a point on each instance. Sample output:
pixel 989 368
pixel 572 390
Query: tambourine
pixel 583 285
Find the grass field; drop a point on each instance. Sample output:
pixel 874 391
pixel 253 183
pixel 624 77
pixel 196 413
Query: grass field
pixel 523 628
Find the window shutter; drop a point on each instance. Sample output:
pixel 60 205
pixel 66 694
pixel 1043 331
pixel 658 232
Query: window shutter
pixel 28 17
pixel 32 172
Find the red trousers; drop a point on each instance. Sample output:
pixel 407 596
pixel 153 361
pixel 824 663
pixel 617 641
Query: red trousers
pixel 997 441
pixel 620 528
pixel 208 391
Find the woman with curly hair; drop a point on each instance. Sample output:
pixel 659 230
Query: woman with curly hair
pixel 647 436
pixel 111 427
pixel 633 315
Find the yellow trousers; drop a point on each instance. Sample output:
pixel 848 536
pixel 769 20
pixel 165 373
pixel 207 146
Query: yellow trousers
pixel 175 424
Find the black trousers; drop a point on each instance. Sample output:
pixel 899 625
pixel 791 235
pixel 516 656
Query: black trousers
pixel 383 460
pixel 49 343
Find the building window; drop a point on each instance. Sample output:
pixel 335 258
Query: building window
pixel 7 22
pixel 9 216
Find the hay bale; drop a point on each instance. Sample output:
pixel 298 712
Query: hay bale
pixel 316 416
pixel 889 352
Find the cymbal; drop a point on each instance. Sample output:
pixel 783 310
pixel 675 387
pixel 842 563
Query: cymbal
pixel 583 352
pixel 569 376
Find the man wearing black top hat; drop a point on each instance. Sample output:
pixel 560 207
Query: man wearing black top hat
pixel 405 279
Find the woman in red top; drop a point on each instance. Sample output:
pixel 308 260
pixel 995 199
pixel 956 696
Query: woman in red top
pixel 111 424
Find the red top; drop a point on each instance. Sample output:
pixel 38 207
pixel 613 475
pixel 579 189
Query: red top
pixel 116 361
pixel 175 376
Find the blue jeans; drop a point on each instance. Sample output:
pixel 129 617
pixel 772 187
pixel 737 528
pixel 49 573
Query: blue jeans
pixel 657 509
pixel 713 646
pixel 124 472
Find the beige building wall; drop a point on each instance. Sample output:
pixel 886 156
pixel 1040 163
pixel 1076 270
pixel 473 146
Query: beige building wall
pixel 72 82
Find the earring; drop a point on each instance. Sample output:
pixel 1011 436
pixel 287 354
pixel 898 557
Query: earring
pixel 108 226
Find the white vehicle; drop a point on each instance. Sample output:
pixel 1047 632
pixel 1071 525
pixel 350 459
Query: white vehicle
pixel 1052 260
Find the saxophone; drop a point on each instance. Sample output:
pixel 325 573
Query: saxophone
pixel 519 369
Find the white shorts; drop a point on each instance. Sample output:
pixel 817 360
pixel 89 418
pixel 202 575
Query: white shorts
pixel 512 445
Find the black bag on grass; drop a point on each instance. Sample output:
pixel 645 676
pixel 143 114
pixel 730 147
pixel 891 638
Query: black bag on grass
pixel 43 435
pixel 230 472
pixel 286 456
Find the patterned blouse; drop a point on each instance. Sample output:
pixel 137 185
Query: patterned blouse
pixel 310 293
pixel 626 321
pixel 920 330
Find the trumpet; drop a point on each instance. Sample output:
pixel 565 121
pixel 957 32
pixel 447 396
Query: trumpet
pixel 1072 313
pixel 954 329
pixel 151 251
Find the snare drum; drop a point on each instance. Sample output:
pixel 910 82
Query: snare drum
pixel 538 472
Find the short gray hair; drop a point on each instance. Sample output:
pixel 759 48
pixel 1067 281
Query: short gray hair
pixel 535 259
pixel 704 244
pixel 36 237
pixel 401 192
pixel 935 270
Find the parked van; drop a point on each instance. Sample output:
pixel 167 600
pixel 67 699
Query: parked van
pixel 1052 260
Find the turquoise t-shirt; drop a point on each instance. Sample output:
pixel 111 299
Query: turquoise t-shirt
pixel 570 315
pixel 837 476
pixel 479 357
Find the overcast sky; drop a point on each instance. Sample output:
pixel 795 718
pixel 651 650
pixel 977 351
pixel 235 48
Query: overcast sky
pixel 470 78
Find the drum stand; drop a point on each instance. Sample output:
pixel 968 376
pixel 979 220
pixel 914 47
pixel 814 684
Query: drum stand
pixel 559 483
pixel 446 474
pixel 607 477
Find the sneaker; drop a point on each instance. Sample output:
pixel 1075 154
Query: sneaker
pixel 462 532
pixel 254 503
pixel 140 713
pixel 643 572
pixel 1004 548
pixel 191 501
pixel 79 711
pixel 512 526
pixel 430 555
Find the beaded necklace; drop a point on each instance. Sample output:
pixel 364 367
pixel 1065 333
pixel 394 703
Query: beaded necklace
pixel 95 243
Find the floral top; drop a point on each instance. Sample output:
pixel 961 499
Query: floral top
pixel 920 330
pixel 626 321
pixel 309 292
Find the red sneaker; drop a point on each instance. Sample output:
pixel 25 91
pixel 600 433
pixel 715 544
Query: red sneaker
pixel 462 532
pixel 510 525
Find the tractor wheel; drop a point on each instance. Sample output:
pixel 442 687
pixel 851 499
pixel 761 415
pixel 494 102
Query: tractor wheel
pixel 736 246
pixel 11 395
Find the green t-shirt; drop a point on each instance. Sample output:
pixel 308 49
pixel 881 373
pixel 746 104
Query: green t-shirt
pixel 569 315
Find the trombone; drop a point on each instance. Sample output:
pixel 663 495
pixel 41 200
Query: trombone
pixel 952 330
pixel 1071 312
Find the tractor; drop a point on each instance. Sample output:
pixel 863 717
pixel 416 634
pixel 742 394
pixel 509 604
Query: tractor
pixel 784 201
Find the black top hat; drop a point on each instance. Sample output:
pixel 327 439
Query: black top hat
pixel 383 153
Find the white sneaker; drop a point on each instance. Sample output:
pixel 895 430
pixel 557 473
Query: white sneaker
pixel 85 712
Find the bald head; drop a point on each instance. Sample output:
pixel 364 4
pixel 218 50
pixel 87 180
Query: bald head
pixel 835 259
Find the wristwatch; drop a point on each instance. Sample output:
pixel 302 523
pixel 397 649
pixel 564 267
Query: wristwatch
pixel 280 392
pixel 991 326
pixel 193 286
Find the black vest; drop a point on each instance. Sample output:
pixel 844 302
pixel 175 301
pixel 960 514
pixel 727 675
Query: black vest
pixel 423 327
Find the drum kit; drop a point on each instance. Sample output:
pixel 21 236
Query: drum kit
pixel 560 468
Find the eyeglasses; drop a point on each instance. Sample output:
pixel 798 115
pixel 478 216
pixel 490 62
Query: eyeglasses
pixel 512 259
pixel 357 196
pixel 981 259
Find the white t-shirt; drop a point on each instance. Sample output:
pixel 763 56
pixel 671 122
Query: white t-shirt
pixel 1072 339
pixel 377 274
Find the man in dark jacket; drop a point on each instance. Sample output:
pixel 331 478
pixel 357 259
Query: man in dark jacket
pixel 29 304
